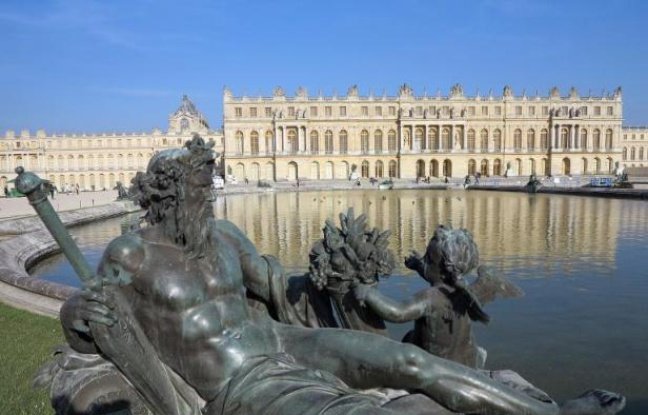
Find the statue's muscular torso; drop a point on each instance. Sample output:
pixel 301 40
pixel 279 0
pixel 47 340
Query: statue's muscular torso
pixel 193 310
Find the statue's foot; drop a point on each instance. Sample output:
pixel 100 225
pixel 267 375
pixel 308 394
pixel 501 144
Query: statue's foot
pixel 594 402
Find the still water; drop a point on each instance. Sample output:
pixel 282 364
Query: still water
pixel 582 262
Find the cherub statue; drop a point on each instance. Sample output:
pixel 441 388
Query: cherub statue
pixel 443 313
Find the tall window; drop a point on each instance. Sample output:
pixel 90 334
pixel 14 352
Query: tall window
pixel 364 169
pixel 564 138
pixel 433 138
pixel 379 169
pixel 239 142
pixel 446 140
pixel 633 153
pixel 392 168
pixel 293 145
pixel 544 139
pixel 471 141
pixel 314 142
pixel 391 142
pixel 641 153
pixel 254 142
pixel 253 112
pixel 343 111
pixel 517 139
pixel 328 142
pixel 530 140
pixel 378 141
pixel 583 141
pixel 364 142
pixel 497 140
pixel 419 139
pixel 483 140
pixel 608 139
pixel 597 139
pixel 625 153
pixel 365 111
pixel 269 142
pixel 344 143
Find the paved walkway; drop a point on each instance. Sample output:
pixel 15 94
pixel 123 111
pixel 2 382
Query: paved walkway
pixel 19 206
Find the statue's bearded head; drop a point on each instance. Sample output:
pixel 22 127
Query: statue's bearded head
pixel 175 191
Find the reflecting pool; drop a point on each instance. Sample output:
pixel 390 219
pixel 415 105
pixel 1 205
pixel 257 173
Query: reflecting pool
pixel 582 262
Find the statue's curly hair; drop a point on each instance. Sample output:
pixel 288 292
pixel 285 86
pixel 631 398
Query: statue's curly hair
pixel 454 250
pixel 350 253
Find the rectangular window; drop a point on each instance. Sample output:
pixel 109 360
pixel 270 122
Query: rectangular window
pixel 343 111
pixel 498 110
pixel 445 110
pixel 532 111
pixel 597 110
pixel 610 110
pixel 484 110
pixel 564 111
pixel 313 111
pixel 419 111
pixel 328 111
pixel 238 112
pixel 392 111
pixel 545 110
pixel 379 111
pixel 471 111
pixel 253 112
pixel 268 112
pixel 583 111
pixel 365 111
pixel 518 110
pixel 433 110
pixel 291 111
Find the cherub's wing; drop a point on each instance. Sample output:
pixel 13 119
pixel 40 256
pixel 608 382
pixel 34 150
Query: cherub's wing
pixel 488 286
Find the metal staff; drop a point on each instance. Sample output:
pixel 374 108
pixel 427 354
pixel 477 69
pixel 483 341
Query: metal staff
pixel 32 186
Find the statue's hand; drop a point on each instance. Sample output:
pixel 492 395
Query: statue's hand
pixel 360 292
pixel 90 306
pixel 414 261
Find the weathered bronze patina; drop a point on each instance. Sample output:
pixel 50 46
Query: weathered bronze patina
pixel 171 316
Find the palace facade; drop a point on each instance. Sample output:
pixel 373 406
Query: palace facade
pixel 409 136
pixel 319 138
pixel 98 161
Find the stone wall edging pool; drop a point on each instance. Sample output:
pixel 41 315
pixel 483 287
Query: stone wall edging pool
pixel 19 253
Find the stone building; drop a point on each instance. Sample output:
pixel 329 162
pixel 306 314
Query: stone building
pixel 98 161
pixel 634 152
pixel 409 136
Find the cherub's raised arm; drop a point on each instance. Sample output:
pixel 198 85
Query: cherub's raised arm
pixel 390 309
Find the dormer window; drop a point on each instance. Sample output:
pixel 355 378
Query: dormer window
pixel 184 125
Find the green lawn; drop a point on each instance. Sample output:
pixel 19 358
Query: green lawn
pixel 26 342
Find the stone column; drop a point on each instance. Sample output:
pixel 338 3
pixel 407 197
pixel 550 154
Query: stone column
pixel 452 130
pixel 426 144
pixel 464 138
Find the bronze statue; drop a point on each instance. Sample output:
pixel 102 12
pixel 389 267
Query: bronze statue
pixel 443 312
pixel 168 309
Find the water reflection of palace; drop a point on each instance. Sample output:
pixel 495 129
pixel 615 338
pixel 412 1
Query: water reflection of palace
pixel 511 229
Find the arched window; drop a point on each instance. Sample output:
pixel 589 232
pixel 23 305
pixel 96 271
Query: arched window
pixel 583 139
pixel 344 143
pixel 497 167
pixel 378 142
pixel 419 139
pixel 379 169
pixel 328 142
pixel 564 138
pixel 625 153
pixel 483 140
pixel 433 138
pixel 269 142
pixel 239 142
pixel 497 140
pixel 641 153
pixel 446 140
pixel 597 141
pixel 608 139
pixel 392 143
pixel 471 140
pixel 364 143
pixel 633 153
pixel 293 144
pixel 364 169
pixel 544 139
pixel 393 169
pixel 314 142
pixel 517 140
pixel 184 125
pixel 530 140
pixel 472 167
pixel 254 142
pixel 483 167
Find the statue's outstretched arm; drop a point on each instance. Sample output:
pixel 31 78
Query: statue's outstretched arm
pixel 390 309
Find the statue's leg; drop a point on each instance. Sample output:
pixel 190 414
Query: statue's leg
pixel 366 361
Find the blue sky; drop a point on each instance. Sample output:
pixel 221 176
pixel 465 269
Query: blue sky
pixel 123 65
